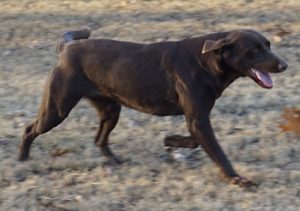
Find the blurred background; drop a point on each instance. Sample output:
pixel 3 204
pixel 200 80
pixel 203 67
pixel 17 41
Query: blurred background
pixel 66 172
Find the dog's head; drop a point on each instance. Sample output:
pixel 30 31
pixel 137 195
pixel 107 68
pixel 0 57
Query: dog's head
pixel 248 53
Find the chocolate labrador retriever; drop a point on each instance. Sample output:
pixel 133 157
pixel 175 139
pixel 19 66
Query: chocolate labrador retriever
pixel 165 78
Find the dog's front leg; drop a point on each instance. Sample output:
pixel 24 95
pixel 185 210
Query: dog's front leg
pixel 200 128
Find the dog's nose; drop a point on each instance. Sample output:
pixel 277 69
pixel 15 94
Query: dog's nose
pixel 282 66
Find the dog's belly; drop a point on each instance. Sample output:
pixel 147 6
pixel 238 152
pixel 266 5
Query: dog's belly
pixel 159 107
pixel 157 103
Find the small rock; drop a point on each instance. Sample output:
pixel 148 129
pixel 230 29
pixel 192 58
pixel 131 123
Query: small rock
pixel 123 3
pixel 277 39
pixel 20 177
pixel 69 180
pixel 178 156
pixel 4 142
pixel 6 53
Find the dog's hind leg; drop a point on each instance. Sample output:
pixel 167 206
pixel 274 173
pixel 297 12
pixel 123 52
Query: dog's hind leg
pixel 58 100
pixel 109 112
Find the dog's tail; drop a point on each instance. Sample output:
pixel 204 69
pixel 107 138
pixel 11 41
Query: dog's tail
pixel 70 36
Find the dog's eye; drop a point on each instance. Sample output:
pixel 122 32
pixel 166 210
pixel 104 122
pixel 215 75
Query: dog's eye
pixel 252 52
pixel 255 50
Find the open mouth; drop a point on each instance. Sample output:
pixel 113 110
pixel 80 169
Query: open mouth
pixel 261 78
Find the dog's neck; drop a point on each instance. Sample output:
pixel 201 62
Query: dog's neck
pixel 221 73
pixel 222 77
pixel 224 80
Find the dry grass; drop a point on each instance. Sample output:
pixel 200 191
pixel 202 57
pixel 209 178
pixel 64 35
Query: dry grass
pixel 246 118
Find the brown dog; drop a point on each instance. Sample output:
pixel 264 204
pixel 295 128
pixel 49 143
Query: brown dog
pixel 165 78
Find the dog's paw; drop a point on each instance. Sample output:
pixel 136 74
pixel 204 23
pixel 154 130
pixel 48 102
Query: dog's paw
pixel 243 182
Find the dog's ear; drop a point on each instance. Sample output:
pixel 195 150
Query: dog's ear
pixel 211 45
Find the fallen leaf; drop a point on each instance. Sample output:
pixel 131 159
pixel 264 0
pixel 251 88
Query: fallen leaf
pixel 60 152
pixel 291 117
pixel 281 32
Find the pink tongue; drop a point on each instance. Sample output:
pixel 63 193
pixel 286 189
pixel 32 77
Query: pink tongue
pixel 264 78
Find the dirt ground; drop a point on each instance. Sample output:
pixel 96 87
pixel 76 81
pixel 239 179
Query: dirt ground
pixel 245 119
